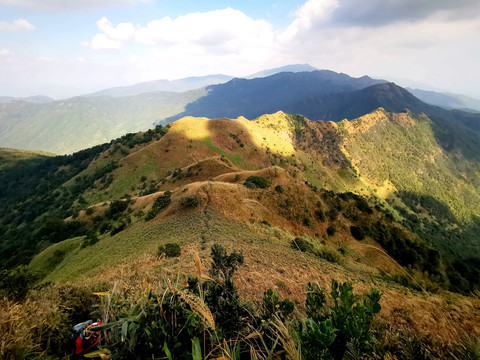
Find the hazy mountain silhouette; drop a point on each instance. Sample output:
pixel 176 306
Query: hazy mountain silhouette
pixel 254 97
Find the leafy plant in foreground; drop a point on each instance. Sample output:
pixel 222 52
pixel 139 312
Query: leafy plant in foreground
pixel 345 319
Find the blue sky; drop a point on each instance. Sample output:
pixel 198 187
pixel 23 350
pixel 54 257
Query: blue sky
pixel 64 48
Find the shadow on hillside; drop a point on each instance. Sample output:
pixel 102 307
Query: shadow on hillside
pixel 457 242
pixel 434 221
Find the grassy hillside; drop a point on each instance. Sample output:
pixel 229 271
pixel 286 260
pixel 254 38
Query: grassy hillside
pixel 376 201
pixel 66 126
pixel 12 157
pixel 408 180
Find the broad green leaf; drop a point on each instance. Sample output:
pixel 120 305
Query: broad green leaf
pixel 167 351
pixel 196 349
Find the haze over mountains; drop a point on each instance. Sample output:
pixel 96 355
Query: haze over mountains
pixel 69 125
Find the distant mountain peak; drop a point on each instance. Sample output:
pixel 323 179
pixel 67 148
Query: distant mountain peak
pixel 286 68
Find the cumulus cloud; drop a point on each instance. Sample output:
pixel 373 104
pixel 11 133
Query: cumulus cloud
pixel 223 30
pixel 111 37
pixel 122 32
pixel 216 32
pixel 16 25
pixel 64 5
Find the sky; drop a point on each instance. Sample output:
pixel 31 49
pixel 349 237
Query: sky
pixel 63 48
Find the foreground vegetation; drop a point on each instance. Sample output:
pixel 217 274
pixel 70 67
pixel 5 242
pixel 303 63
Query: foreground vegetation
pixel 205 318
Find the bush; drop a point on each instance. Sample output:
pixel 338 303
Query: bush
pixel 223 264
pixel 273 305
pixel 328 255
pixel 320 215
pixel 301 244
pixel 15 283
pixel 307 221
pixel 279 189
pixel 190 201
pixel 90 239
pixel 256 182
pixel 331 230
pixel 170 250
pixel 159 204
pixel 329 328
pixel 117 229
pixel 116 207
pixel 357 232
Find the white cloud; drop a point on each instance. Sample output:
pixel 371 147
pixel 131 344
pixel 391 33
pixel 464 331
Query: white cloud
pixel 218 32
pixel 310 13
pixel 122 32
pixel 102 42
pixel 111 37
pixel 16 25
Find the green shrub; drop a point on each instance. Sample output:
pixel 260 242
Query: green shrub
pixel 222 264
pixel 328 255
pixel 118 228
pixel 273 305
pixel 279 189
pixel 332 214
pixel 256 182
pixel 221 294
pixel 331 230
pixel 159 204
pixel 357 232
pixel 307 221
pixel 91 238
pixel 190 201
pixel 116 207
pixel 301 244
pixel 104 227
pixel 320 215
pixel 15 283
pixel 170 250
pixel 330 327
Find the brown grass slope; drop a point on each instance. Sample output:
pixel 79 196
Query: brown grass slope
pixel 211 159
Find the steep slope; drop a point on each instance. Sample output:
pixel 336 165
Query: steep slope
pixel 393 98
pixel 449 126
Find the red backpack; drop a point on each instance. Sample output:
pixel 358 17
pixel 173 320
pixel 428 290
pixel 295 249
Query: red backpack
pixel 85 339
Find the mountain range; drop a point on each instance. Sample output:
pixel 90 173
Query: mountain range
pixel 69 125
